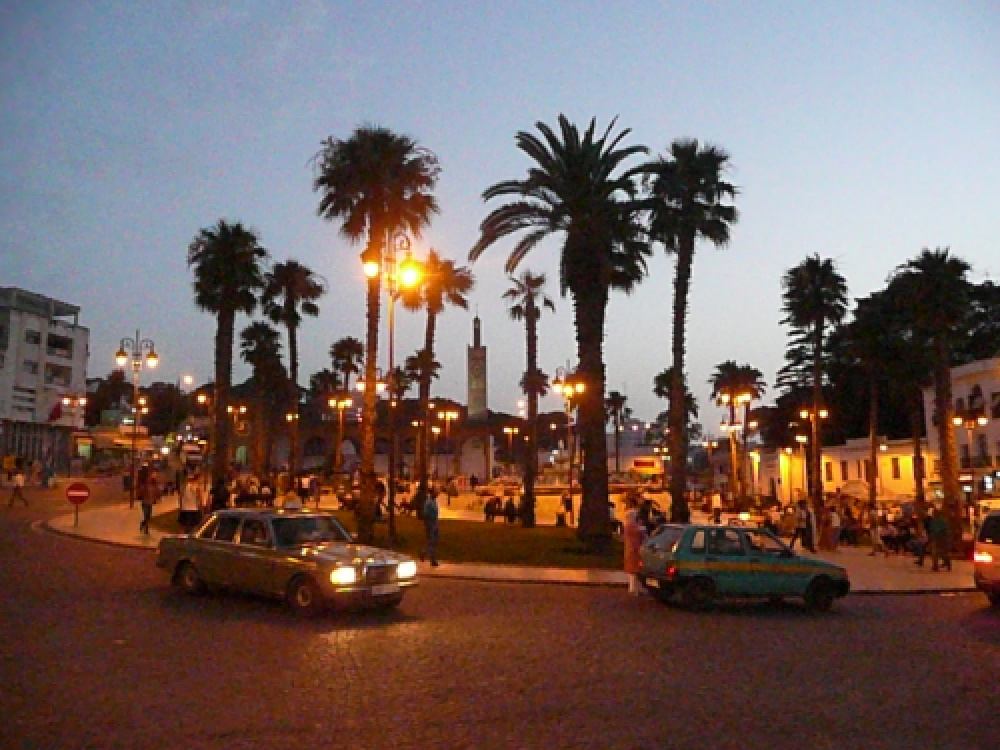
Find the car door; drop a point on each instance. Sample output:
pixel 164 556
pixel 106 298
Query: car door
pixel 775 566
pixel 253 562
pixel 216 554
pixel 726 558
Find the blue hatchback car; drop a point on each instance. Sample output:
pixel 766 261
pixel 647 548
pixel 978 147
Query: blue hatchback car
pixel 700 563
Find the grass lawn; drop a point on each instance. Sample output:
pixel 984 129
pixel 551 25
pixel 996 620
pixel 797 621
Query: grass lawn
pixel 476 542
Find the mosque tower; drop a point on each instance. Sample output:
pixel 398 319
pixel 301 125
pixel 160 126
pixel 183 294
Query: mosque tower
pixel 477 398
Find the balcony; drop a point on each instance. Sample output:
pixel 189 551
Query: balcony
pixel 976 462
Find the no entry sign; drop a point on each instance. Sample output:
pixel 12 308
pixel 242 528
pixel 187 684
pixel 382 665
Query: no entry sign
pixel 77 493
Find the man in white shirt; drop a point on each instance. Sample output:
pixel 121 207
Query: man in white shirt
pixel 18 491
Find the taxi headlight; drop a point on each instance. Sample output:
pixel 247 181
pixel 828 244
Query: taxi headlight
pixel 406 569
pixel 343 576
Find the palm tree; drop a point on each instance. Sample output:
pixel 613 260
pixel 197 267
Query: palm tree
pixel 527 300
pixel 732 385
pixel 375 183
pixel 260 347
pixel 614 409
pixel 576 188
pixel 936 289
pixel 290 292
pixel 442 283
pixel 227 259
pixel 814 300
pixel 687 202
pixel 347 354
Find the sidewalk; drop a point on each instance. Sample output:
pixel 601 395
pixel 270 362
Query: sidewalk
pixel 897 574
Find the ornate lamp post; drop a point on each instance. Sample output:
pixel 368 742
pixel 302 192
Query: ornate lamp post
pixel 436 431
pixel 570 387
pixel 510 432
pixel 815 453
pixel 970 421
pixel 130 352
pixel 448 416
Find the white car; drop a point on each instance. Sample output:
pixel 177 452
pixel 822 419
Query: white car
pixel 986 558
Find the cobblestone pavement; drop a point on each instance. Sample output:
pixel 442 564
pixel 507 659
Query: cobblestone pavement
pixel 97 652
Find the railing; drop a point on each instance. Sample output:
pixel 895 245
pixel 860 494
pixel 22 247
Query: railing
pixel 976 462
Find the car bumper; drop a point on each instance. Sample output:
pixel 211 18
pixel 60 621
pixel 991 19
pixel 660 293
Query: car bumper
pixel 364 597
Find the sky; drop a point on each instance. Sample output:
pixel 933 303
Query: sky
pixel 859 131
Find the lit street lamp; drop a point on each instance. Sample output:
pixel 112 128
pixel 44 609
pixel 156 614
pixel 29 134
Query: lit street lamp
pixel 815 469
pixel 970 422
pixel 570 387
pixel 130 352
pixel 448 416
pixel 339 404
pixel 510 432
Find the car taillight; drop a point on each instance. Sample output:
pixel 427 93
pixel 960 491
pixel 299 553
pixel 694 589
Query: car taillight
pixel 982 557
pixel 671 571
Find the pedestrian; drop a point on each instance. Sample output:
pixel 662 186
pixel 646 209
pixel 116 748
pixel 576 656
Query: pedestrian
pixel 801 525
pixel 634 533
pixel 834 520
pixel 314 489
pixel 17 492
pixel 149 493
pixel 431 528
pixel 938 533
pixel 567 503
pixel 219 494
pixel 191 502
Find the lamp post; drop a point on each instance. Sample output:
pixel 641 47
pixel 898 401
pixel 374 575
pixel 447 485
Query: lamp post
pixel 510 432
pixel 802 440
pixel 448 416
pixel 130 353
pixel 710 445
pixel 570 387
pixel 339 404
pixel 436 431
pixel 970 421
pixel 815 470
pixel 73 404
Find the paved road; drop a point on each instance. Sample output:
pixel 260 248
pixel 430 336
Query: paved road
pixel 97 652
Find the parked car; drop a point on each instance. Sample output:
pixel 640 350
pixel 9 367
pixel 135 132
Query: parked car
pixel 986 557
pixel 308 559
pixel 700 563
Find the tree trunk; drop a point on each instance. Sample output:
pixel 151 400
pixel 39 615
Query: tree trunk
pixel 531 378
pixel 223 374
pixel 366 504
pixel 424 400
pixel 677 415
pixel 595 522
pixel 815 469
pixel 293 433
pixel 945 409
pixel 873 436
pixel 916 431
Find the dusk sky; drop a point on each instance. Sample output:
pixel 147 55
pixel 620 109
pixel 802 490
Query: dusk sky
pixel 861 131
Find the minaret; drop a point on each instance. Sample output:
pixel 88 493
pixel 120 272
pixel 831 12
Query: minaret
pixel 477 400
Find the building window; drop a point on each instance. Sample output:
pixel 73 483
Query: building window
pixel 868 471
pixel 896 474
pixel 843 471
pixel 29 367
pixel 995 405
pixel 32 337
pixel 829 471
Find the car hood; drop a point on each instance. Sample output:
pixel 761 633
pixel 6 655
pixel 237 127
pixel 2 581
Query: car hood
pixel 343 552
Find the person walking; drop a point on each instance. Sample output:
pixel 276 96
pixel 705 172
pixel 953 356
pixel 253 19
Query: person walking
pixel 801 525
pixel 17 491
pixel 191 502
pixel 834 521
pixel 938 533
pixel 431 528
pixel 634 533
pixel 567 503
pixel 149 493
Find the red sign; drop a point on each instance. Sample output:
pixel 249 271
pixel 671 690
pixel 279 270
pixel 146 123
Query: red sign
pixel 77 493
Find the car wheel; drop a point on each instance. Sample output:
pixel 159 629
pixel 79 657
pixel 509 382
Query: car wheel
pixel 189 579
pixel 305 598
pixel 994 600
pixel 698 593
pixel 820 595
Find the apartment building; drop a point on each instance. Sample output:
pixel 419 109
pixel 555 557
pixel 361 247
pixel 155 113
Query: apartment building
pixel 43 361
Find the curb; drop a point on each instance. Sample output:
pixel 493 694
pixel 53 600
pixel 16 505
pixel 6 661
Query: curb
pixel 459 576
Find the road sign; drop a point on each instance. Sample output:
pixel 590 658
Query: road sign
pixel 77 493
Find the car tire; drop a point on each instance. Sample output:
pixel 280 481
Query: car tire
pixel 994 598
pixel 698 593
pixel 189 579
pixel 304 597
pixel 819 595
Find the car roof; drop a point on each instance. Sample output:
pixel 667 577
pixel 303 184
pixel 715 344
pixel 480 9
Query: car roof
pixel 269 512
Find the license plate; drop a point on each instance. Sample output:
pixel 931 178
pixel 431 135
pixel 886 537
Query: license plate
pixel 652 583
pixel 385 588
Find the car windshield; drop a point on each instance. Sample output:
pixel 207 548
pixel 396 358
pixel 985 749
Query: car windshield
pixel 295 531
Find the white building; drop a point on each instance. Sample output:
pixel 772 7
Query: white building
pixel 43 359
pixel 976 390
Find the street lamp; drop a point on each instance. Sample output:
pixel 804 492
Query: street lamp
pixel 339 404
pixel 437 431
pixel 570 387
pixel 448 416
pixel 510 432
pixel 815 469
pixel 970 421
pixel 710 446
pixel 130 352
